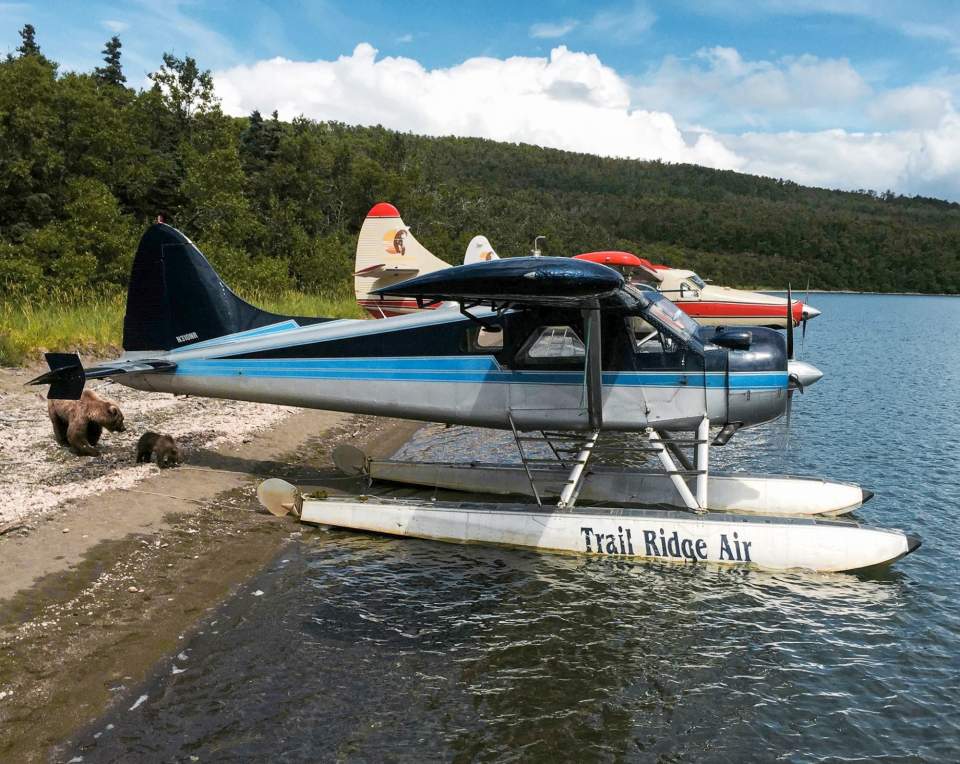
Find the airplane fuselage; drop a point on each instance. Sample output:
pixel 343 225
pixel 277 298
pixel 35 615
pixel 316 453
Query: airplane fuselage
pixel 442 366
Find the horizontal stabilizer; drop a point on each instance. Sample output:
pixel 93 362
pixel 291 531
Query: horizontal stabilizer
pixel 387 270
pixel 67 376
pixel 559 281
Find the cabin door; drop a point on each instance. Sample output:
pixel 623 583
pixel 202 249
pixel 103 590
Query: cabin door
pixel 547 389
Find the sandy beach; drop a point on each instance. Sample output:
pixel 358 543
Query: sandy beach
pixel 107 564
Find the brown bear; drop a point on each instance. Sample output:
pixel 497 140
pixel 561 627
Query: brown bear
pixel 162 446
pixel 79 423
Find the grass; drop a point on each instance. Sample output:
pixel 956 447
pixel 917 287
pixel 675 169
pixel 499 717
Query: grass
pixel 93 324
pixel 293 302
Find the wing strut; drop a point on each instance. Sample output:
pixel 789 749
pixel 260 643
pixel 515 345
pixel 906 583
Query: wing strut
pixel 593 372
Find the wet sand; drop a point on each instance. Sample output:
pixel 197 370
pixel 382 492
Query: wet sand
pixel 95 589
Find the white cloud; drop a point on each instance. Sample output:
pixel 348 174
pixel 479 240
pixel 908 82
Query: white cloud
pixel 405 38
pixel 720 87
pixel 553 29
pixel 913 106
pixel 571 100
pixel 114 25
pixel 908 161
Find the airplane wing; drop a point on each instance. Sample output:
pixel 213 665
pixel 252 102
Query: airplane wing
pixel 616 258
pixel 562 282
pixel 516 281
pixel 67 375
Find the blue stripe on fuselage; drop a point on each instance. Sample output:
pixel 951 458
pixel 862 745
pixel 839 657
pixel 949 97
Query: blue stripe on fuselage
pixel 239 336
pixel 461 369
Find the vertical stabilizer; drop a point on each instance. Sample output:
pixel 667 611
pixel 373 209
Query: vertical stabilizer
pixel 175 297
pixel 387 252
pixel 479 250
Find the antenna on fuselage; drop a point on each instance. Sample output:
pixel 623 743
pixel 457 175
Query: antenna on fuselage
pixel 536 251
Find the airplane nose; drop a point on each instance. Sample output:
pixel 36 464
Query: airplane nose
pixel 809 312
pixel 802 374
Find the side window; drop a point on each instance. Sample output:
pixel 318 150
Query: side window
pixel 485 340
pixel 554 344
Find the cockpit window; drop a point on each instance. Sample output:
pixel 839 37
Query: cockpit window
pixel 674 319
pixel 552 344
pixel 698 281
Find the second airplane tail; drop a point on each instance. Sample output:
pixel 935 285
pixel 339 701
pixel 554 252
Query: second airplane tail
pixel 387 252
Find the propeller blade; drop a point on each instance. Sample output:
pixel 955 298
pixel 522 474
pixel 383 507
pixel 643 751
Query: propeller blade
pixel 789 323
pixel 806 312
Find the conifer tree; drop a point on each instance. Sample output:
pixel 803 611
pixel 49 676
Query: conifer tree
pixel 28 46
pixel 112 73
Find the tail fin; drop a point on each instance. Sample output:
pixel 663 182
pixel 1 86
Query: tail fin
pixel 479 250
pixel 176 298
pixel 387 252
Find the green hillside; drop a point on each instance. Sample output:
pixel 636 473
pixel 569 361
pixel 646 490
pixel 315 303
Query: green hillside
pixel 87 162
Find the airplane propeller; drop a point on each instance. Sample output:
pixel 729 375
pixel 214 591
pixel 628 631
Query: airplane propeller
pixel 790 325
pixel 792 379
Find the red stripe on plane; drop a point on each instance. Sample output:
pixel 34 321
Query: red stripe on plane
pixel 389 308
pixel 739 310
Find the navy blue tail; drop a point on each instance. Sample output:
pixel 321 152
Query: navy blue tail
pixel 176 298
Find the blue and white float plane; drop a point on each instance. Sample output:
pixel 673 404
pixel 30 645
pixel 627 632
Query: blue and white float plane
pixel 558 346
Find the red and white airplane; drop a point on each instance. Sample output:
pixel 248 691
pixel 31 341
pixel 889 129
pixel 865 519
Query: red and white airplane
pixel 708 304
pixel 387 253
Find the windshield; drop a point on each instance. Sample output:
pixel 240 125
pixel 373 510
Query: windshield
pixel 657 309
pixel 667 315
pixel 697 280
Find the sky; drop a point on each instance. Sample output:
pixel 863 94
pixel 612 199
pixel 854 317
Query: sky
pixel 835 93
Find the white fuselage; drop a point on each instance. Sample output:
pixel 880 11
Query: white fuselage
pixel 471 390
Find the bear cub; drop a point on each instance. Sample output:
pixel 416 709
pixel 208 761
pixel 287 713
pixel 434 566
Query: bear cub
pixel 162 446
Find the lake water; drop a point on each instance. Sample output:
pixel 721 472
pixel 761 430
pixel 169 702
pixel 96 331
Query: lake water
pixel 366 648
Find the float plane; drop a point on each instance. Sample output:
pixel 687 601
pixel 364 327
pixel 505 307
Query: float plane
pixel 709 304
pixel 546 348
pixel 387 253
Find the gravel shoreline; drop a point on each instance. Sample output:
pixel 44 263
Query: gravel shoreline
pixel 38 476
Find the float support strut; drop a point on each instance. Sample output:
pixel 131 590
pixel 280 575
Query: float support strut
pixel 703 461
pixel 671 469
pixel 571 489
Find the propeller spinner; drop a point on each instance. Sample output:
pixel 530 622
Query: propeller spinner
pixel 801 373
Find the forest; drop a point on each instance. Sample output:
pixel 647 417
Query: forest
pixel 87 162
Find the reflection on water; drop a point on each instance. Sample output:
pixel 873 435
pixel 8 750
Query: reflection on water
pixel 368 648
